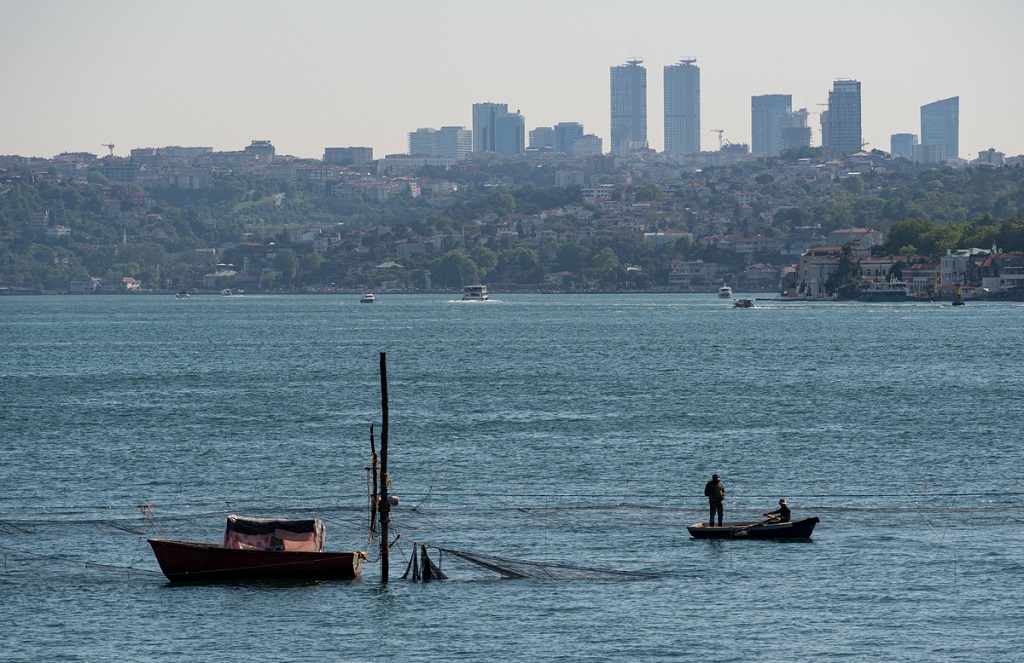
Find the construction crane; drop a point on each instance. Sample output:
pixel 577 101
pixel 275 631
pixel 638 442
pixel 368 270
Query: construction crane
pixel 719 132
pixel 109 146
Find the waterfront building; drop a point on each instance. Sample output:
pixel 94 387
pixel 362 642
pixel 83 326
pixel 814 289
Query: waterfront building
pixel 940 125
pixel 682 107
pixel 485 116
pixel 629 106
pixel 767 113
pixel 902 145
pixel 844 119
pixel 565 134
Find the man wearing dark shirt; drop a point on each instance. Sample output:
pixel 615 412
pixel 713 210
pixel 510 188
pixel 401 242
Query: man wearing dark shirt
pixel 715 492
pixel 780 515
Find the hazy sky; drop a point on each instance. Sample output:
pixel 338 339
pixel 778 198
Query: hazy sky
pixel 309 74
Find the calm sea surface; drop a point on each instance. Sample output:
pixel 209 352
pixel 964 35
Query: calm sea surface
pixel 557 429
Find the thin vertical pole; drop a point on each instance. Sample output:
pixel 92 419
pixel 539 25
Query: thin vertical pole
pixel 374 485
pixel 384 506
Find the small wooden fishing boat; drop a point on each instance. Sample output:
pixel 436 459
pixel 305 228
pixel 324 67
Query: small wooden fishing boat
pixel 257 549
pixel 797 529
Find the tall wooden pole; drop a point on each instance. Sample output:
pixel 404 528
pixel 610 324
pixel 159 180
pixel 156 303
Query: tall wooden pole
pixel 384 506
pixel 374 485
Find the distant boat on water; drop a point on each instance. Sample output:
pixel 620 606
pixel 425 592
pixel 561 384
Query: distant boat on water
pixel 367 298
pixel 958 298
pixel 725 292
pixel 474 293
pixel 182 294
pixel 257 548
pixel 799 529
pixel 893 290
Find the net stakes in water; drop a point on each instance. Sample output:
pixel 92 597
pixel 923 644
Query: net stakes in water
pixel 518 568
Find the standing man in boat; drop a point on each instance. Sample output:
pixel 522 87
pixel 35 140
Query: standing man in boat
pixel 780 515
pixel 715 492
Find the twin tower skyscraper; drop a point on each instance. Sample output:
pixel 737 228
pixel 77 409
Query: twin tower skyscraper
pixel 682 107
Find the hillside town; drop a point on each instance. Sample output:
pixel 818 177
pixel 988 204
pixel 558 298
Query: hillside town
pixel 251 220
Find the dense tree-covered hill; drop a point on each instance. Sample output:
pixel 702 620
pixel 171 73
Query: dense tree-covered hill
pixel 53 232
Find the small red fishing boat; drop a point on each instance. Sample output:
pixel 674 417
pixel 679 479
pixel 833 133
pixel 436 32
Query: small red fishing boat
pixel 258 548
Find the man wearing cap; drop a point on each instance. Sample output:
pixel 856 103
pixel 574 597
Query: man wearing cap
pixel 715 492
pixel 780 515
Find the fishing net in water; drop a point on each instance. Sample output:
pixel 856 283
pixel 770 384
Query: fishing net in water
pixel 519 568
pixel 421 567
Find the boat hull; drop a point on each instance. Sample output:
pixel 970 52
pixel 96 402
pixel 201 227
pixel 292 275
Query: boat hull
pixel 799 529
pixel 884 297
pixel 191 561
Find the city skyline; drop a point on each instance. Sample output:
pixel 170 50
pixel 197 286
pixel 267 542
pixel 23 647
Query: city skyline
pixel 81 75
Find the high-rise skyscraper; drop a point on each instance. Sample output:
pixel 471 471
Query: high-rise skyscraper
pixel 565 134
pixel 485 117
pixel 682 107
pixel 629 106
pixel 455 142
pixel 843 128
pixel 940 125
pixel 423 142
pixel 542 138
pixel 902 145
pixel 795 131
pixel 767 113
pixel 509 133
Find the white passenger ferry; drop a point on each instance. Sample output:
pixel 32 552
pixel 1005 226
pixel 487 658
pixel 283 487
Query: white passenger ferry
pixel 893 290
pixel 474 293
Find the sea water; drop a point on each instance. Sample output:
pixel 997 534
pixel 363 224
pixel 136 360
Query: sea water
pixel 554 429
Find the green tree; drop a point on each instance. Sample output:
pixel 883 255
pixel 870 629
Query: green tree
pixel 286 262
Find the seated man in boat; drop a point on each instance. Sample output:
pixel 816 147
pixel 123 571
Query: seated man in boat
pixel 780 515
